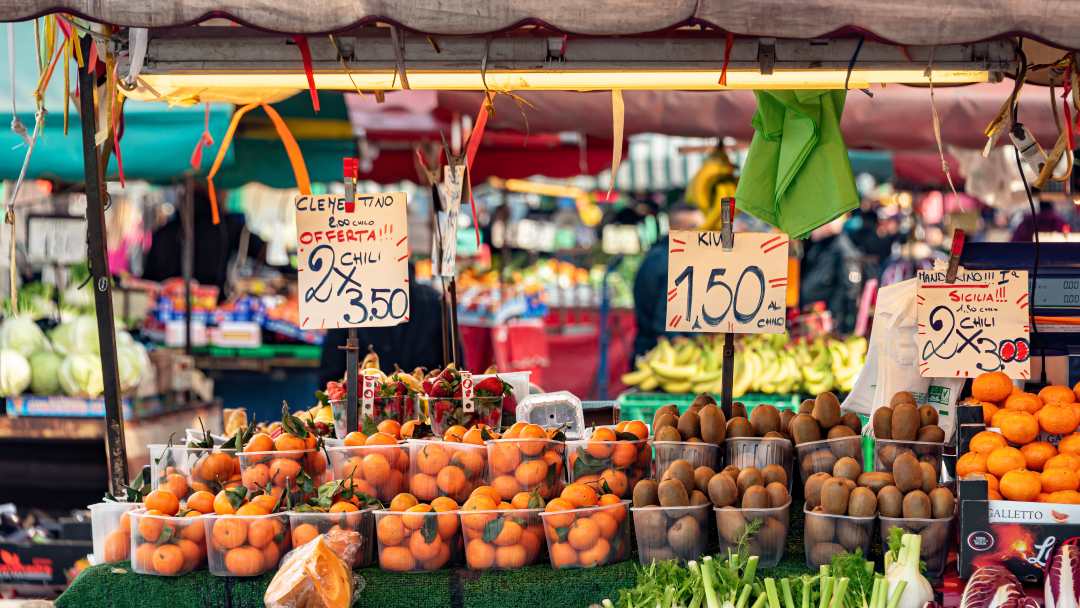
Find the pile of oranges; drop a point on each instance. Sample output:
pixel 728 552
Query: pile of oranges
pixel 499 534
pixel 281 462
pixel 417 536
pixel 585 528
pixel 527 458
pixel 376 464
pixel 618 457
pixel 1035 453
pixel 210 470
pixel 165 540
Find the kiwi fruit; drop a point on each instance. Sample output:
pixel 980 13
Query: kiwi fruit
pixel 804 428
pixel 929 477
pixel 882 422
pixel 739 427
pixel 852 421
pixel 694 440
pixel 850 445
pixel 906 473
pixel 890 501
pixel 875 481
pixel 755 497
pixel 834 497
pixel 703 399
pixel 733 475
pixel 723 491
pixel 812 489
pixel 862 503
pixel 917 504
pixel 819 529
pixel 672 493
pixel 778 494
pixel 667 433
pixel 731 470
pixel 806 406
pixel 645 493
pixel 852 535
pixel 847 468
pixel 902 397
pixel 665 417
pixel 931 433
pixel 731 523
pixel 819 460
pixel 697 498
pixel 771 537
pixel 748 478
pixel 840 430
pixel 775 435
pixel 738 410
pixel 821 553
pixel 702 475
pixel 928 415
pixel 684 536
pixel 683 471
pixel 774 473
pixel 887 453
pixel 689 425
pixel 905 422
pixel 942 503
pixel 786 417
pixel 827 410
pixel 659 553
pixel 764 418
pixel 651 527
pixel 712 423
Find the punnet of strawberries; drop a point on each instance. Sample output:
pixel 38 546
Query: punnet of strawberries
pixel 443 389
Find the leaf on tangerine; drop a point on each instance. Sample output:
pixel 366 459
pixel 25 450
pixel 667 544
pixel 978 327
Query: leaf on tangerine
pixel 430 528
pixel 492 529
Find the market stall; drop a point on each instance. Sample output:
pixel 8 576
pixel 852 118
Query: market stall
pixel 962 405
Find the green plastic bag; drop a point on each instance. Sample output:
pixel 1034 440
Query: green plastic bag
pixel 797 174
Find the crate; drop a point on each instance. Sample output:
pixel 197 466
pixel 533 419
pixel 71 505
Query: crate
pixel 641 406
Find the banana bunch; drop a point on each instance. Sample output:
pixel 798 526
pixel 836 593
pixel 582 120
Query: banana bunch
pixel 764 363
pixel 714 181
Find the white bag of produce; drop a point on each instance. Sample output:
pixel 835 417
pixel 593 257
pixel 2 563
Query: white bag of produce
pixel 892 361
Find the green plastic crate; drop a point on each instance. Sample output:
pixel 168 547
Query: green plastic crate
pixel 641 406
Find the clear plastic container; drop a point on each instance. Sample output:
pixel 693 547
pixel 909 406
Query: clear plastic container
pixel 445 468
pixel 936 538
pixel 502 540
pixel 383 408
pixel 280 469
pixel 886 451
pixel 582 538
pixel 825 535
pixel 664 533
pixel 771 539
pixel 111 530
pixel 697 454
pixel 524 465
pixel 820 456
pixel 445 413
pixel 166 546
pixel 351 535
pixel 561 409
pixel 759 452
pixel 246 545
pixel 619 464
pixel 380 471
pixel 417 542
pixel 184 470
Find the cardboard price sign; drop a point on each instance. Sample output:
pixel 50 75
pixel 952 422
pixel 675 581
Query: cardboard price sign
pixel 739 291
pixel 352 260
pixel 977 324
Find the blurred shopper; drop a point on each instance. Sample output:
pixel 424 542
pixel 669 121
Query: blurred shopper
pixel 831 273
pixel 650 284
pixel 1046 220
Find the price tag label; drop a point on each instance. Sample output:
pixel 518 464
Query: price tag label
pixel 977 324
pixel 739 291
pixel 367 394
pixel 352 260
pixel 55 239
pixel 468 391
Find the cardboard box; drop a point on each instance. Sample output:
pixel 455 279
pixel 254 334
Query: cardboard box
pixel 44 563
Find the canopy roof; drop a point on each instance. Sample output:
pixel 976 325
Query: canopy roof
pixel 914 22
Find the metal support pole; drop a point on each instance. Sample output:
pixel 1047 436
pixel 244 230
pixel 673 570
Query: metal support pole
pixel 187 261
pixel 115 450
pixel 351 168
pixel 727 239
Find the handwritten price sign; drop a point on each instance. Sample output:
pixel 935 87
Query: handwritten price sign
pixel 977 324
pixel 352 260
pixel 738 291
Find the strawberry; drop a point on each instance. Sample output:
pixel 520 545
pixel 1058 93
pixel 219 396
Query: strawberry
pixel 490 387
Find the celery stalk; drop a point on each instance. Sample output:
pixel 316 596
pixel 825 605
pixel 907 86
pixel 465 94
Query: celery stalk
pixel 894 600
pixel 770 590
pixel 826 591
pixel 785 586
pixel 838 593
pixel 744 596
pixel 750 570
pixel 805 592
pixel 709 582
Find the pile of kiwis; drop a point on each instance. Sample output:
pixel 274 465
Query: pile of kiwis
pixel 764 421
pixel 702 422
pixel 904 420
pixel 738 494
pixel 820 419
pixel 672 533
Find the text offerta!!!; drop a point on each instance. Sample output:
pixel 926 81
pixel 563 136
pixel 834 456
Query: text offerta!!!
pixel 737 291
pixel 979 323
pixel 352 260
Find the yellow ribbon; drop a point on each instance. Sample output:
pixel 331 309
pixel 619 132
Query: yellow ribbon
pixel 618 116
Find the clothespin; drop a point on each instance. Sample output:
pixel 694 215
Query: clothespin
pixel 350 168
pixel 957 248
pixel 727 215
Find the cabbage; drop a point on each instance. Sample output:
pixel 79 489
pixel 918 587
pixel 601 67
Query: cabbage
pixel 80 375
pixel 14 373
pixel 22 335
pixel 1063 578
pixel 132 362
pixel 44 370
pixel 78 335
